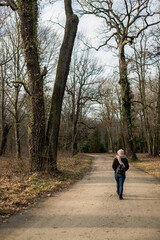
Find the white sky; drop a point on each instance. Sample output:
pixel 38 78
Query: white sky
pixel 88 25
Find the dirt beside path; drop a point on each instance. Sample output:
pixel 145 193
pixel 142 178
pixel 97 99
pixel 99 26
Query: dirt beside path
pixel 91 210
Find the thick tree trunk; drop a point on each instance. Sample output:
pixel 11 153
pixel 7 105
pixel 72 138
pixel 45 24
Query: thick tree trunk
pixel 59 86
pixel 126 105
pixel 4 138
pixel 157 127
pixel 28 12
pixel 5 128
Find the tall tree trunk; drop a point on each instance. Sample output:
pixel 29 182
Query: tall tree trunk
pixel 59 86
pixel 2 148
pixel 17 124
pixel 157 126
pixel 145 114
pixel 28 12
pixel 17 89
pixel 141 78
pixel 5 128
pixel 75 114
pixel 74 139
pixel 126 104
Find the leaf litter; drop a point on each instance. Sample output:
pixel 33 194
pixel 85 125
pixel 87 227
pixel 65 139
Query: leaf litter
pixel 19 188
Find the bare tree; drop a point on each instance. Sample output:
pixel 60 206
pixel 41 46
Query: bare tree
pixel 156 52
pixel 59 86
pixel 124 22
pixel 145 60
pixel 84 88
pixel 5 126
pixel 17 74
pixel 141 60
pixel 5 57
pixel 111 114
pixel 28 13
pixel 157 129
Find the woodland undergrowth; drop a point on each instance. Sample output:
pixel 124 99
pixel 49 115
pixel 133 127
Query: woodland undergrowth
pixel 19 188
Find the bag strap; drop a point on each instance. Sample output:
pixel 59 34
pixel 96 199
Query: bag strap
pixel 120 160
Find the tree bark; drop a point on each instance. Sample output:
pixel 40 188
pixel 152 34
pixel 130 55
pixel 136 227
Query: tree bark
pixel 17 90
pixel 17 124
pixel 157 127
pixel 75 117
pixel 2 149
pixel 59 86
pixel 5 127
pixel 28 12
pixel 74 130
pixel 141 78
pixel 145 114
pixel 4 138
pixel 126 104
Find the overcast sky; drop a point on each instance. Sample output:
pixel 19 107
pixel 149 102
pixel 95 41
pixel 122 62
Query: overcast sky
pixel 88 25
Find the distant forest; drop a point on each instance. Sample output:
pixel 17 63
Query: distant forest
pixel 56 95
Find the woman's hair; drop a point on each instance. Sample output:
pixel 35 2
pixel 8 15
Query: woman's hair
pixel 120 152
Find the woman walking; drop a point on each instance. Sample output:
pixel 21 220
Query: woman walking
pixel 120 166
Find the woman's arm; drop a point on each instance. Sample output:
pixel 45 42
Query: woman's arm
pixel 114 165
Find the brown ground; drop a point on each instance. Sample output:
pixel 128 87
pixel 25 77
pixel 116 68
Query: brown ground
pixel 91 210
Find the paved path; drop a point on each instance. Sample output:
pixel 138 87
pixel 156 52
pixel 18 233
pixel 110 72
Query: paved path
pixel 91 210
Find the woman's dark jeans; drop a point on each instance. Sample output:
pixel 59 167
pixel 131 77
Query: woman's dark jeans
pixel 120 181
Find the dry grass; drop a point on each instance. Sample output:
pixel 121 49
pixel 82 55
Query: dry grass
pixel 19 188
pixel 148 164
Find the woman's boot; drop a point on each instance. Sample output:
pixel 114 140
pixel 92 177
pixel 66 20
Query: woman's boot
pixel 120 196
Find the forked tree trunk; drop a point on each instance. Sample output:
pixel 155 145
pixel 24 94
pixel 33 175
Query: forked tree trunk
pixel 59 86
pixel 28 12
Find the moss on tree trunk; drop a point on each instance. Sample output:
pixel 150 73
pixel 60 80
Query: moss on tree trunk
pixel 28 12
pixel 126 104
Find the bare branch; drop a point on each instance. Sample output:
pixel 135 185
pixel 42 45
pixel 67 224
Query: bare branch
pixel 45 71
pixel 144 28
pixel 24 85
pixel 104 44
pixel 9 3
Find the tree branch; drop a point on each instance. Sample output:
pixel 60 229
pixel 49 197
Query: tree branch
pixel 9 3
pixel 68 7
pixel 144 28
pixel 45 71
pixel 24 85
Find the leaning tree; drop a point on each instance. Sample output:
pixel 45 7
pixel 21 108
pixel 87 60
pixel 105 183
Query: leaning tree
pixel 43 147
